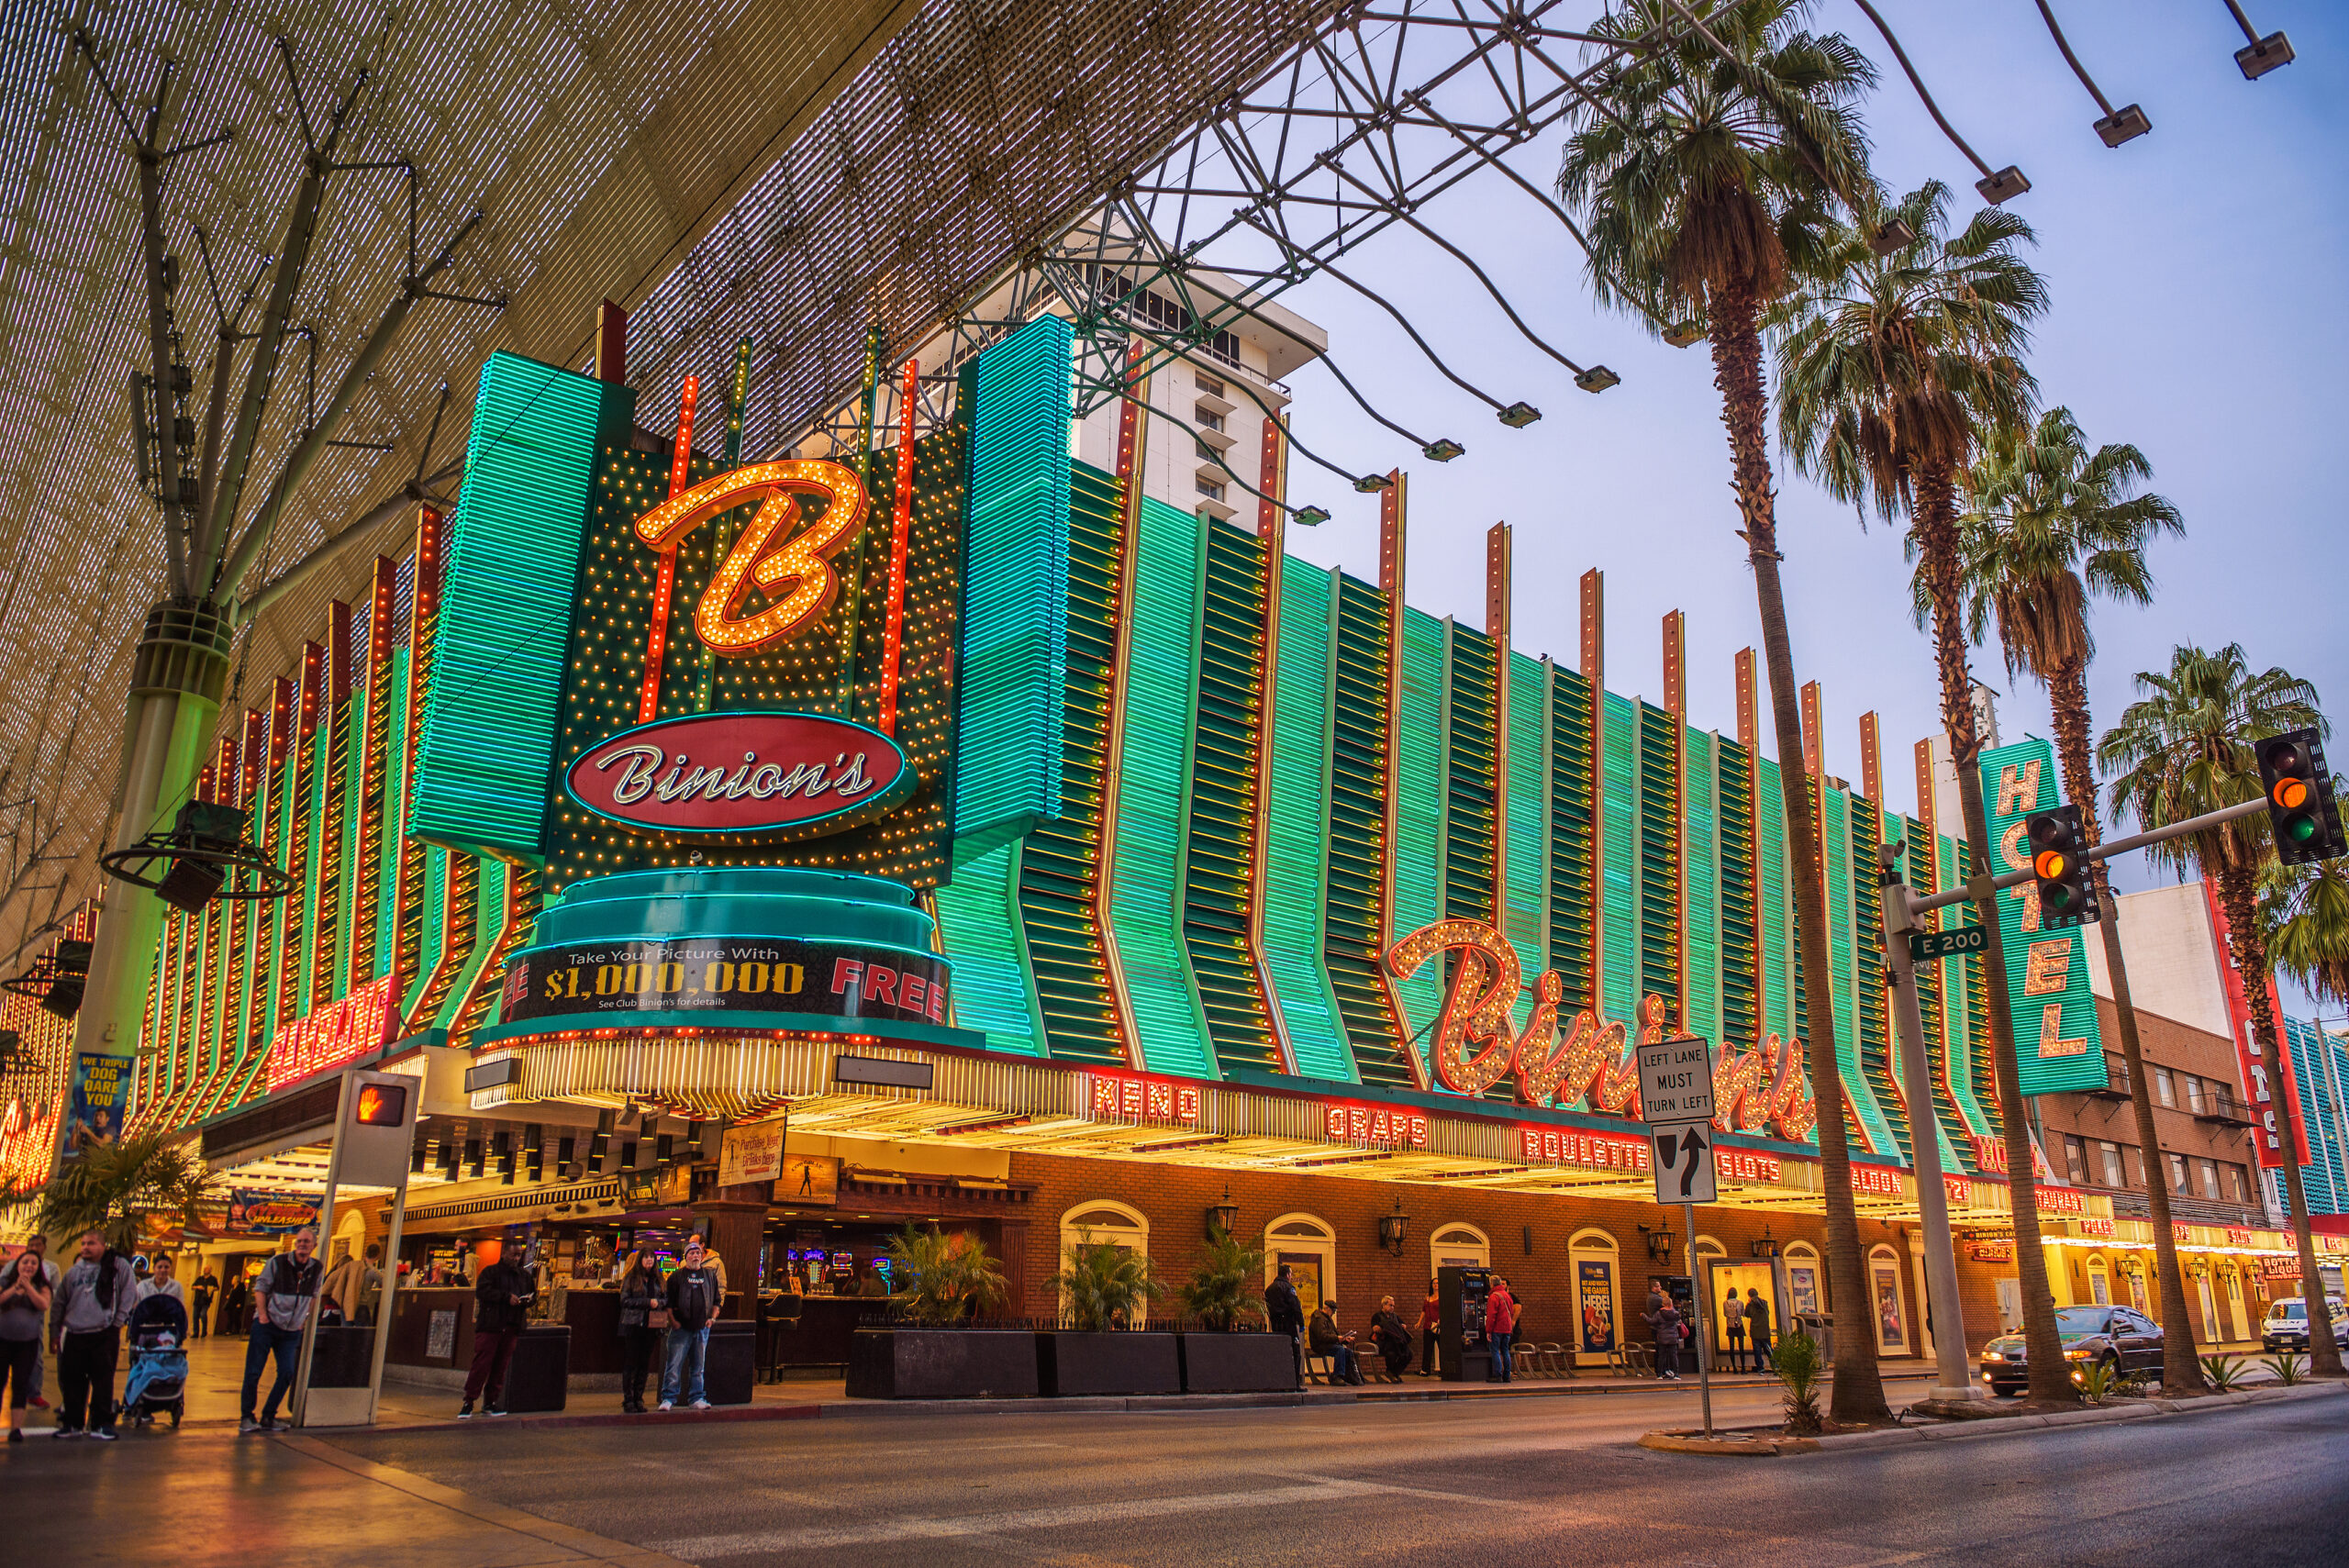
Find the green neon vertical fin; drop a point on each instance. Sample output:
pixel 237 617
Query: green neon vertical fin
pixel 1618 871
pixel 980 928
pixel 1573 825
pixel 1362 731
pixel 1527 832
pixel 1419 810
pixel 1297 832
pixel 1015 666
pixel 1741 933
pixel 1776 912
pixel 1153 789
pixel 1700 879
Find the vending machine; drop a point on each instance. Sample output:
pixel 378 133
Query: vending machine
pixel 1460 1345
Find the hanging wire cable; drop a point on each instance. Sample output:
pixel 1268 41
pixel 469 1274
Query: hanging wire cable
pixel 2005 183
pixel 2118 124
pixel 1448 449
pixel 1181 351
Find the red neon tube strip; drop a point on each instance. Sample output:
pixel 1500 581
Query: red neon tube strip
pixel 656 637
pixel 893 628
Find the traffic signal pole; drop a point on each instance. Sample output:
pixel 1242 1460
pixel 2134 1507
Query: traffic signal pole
pixel 1900 912
pixel 1924 1144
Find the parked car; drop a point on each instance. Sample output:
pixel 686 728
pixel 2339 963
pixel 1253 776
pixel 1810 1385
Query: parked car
pixel 2115 1336
pixel 2285 1327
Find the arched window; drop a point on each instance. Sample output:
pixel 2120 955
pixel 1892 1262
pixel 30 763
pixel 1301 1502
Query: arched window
pixel 1309 1247
pixel 2099 1280
pixel 1888 1306
pixel 1593 1257
pixel 1459 1246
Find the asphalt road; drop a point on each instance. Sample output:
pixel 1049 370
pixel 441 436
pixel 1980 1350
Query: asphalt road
pixel 1531 1482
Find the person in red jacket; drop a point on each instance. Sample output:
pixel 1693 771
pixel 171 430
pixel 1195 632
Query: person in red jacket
pixel 1500 1324
pixel 1431 1315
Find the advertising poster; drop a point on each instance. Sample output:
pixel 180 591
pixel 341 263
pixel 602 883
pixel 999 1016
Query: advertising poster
pixel 1802 1287
pixel 752 1153
pixel 808 1178
pixel 1594 1290
pixel 1892 1334
pixel 101 1098
pixel 2057 1045
pixel 253 1213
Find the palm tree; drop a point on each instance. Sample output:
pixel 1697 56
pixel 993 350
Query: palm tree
pixel 2183 749
pixel 2051 524
pixel 2304 917
pixel 1704 189
pixel 112 1186
pixel 1888 366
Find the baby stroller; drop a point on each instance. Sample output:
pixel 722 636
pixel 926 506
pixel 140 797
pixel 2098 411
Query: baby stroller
pixel 158 1381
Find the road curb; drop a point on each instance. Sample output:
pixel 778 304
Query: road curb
pixel 2011 1426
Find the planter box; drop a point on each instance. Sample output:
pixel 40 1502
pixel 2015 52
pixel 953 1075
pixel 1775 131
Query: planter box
pixel 1238 1363
pixel 942 1363
pixel 1069 1362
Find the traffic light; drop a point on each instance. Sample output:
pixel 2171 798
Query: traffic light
pixel 2059 863
pixel 2299 799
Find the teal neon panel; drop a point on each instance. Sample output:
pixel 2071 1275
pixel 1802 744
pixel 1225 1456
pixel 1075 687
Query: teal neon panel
pixel 436 901
pixel 1154 773
pixel 1015 614
pixel 1619 858
pixel 486 745
pixel 1700 877
pixel 1527 832
pixel 387 867
pixel 489 899
pixel 1858 1084
pixel 2057 1044
pixel 1775 918
pixel 980 925
pixel 1419 809
pixel 1297 834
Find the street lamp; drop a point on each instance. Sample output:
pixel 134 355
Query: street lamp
pixel 1393 1227
pixel 1659 1244
pixel 1223 1218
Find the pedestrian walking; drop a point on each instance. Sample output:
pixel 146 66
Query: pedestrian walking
pixel 283 1299
pixel 38 1245
pixel 1669 1329
pixel 163 1280
pixel 1285 1314
pixel 1648 1314
pixel 1500 1328
pixel 1734 1326
pixel 1757 1329
pixel 694 1295
pixel 237 1302
pixel 502 1297
pixel 1430 1316
pixel 644 1316
pixel 86 1313
pixel 24 1305
pixel 199 1312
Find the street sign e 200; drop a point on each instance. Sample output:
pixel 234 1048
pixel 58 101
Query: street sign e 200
pixel 1927 945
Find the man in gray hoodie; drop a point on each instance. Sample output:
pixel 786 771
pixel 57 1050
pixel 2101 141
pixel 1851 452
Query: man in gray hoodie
pixel 86 1318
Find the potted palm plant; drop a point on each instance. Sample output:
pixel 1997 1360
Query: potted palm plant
pixel 1226 1355
pixel 1100 1347
pixel 931 1349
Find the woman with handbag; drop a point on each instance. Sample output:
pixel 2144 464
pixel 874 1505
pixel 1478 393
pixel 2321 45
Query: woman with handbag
pixel 644 1316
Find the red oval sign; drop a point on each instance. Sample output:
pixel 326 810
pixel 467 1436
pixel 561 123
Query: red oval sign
pixel 741 772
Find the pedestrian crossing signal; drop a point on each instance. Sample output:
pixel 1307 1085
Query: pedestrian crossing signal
pixel 2301 804
pixel 2060 867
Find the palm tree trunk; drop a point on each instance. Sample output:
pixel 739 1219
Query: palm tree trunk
pixel 1935 522
pixel 2237 893
pixel 2067 691
pixel 1858 1394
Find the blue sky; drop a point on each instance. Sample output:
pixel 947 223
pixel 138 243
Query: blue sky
pixel 2197 276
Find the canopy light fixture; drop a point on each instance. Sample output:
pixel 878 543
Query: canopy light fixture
pixel 1371 484
pixel 1442 450
pixel 1598 378
pixel 1685 334
pixel 1517 416
pixel 1311 517
pixel 2003 186
pixel 2124 124
pixel 2261 55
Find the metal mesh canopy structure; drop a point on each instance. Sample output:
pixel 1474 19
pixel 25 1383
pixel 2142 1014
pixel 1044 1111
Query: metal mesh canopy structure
pixel 782 168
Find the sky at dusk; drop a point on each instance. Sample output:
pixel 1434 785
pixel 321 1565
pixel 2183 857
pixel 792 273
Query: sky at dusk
pixel 2196 276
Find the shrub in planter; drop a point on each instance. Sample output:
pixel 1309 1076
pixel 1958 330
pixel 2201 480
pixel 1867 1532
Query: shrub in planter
pixel 943 1279
pixel 1105 1290
pixel 1799 1366
pixel 1218 1293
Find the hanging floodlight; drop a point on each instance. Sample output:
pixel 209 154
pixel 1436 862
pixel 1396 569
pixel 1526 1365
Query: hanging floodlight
pixel 206 857
pixel 1517 416
pixel 1684 334
pixel 2125 124
pixel 1891 235
pixel 1311 517
pixel 2261 55
pixel 1598 378
pixel 1442 450
pixel 1371 484
pixel 56 978
pixel 1996 186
